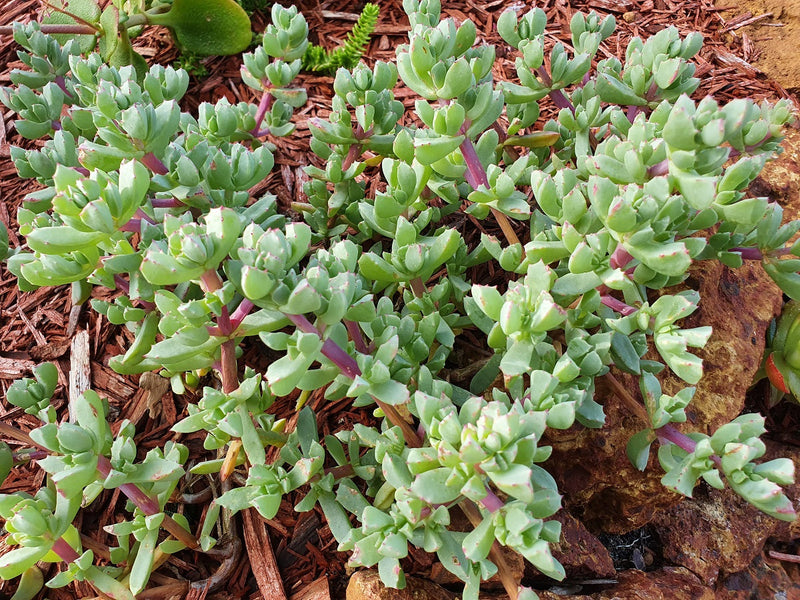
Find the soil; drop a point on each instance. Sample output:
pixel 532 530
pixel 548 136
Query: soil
pixel 41 326
pixel 775 35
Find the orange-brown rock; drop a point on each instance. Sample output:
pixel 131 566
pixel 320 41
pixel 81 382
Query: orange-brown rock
pixel 600 485
pixel 763 579
pixel 367 585
pixel 581 553
pixel 665 584
pixel 716 531
pixel 780 179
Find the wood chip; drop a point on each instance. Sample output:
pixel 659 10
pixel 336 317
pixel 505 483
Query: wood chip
pixel 80 371
pixel 316 590
pixel 262 559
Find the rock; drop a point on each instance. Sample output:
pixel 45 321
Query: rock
pixel 763 579
pixel 581 553
pixel 786 531
pixel 780 178
pixel 600 484
pixel 716 531
pixel 367 585
pixel 665 584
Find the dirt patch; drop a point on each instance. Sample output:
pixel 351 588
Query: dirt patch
pixel 776 37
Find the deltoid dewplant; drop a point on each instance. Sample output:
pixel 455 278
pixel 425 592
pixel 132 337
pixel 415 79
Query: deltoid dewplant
pixel 366 299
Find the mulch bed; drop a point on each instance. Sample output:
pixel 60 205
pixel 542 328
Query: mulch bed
pixel 40 326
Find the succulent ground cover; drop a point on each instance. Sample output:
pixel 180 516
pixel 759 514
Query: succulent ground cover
pixel 412 261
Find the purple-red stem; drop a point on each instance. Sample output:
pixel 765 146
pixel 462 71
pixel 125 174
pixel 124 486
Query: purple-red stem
pixel 147 504
pixel 476 174
pixel 491 502
pixel 557 96
pixel 150 161
pixel 65 552
pixel 261 112
pixel 126 289
pixel 476 177
pixel 355 334
pixel 349 368
pixel 166 203
pixel 229 368
pixel 354 151
pixel 144 502
pixel 658 169
pixel 352 154
pixel 134 226
pixel 670 434
pixel 756 254
pixel 238 315
pixel 144 216
pixel 620 258
pixel 62 84
pixel 24 457
pixel 749 253
pixel 618 305
pixel 330 349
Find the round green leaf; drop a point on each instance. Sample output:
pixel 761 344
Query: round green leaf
pixel 209 27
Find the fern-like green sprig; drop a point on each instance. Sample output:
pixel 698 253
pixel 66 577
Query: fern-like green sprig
pixel 350 52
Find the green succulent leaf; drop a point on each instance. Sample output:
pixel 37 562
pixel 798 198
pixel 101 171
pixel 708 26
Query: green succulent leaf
pixel 207 27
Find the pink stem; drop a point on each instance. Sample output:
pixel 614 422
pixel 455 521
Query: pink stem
pixel 144 216
pixel 150 161
pixel 355 334
pixel 144 502
pixel 491 502
pixel 166 203
pixel 134 225
pixel 557 96
pixel 658 169
pixel 261 112
pixel 65 552
pixel 476 174
pixel 618 305
pixel 238 315
pixel 330 349
pixel 210 281
pixel 670 434
pixel 619 258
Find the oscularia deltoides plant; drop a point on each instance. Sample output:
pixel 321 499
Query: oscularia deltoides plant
pixel 367 295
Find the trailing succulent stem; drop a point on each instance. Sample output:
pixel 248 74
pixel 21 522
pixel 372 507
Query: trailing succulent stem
pixel 367 296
